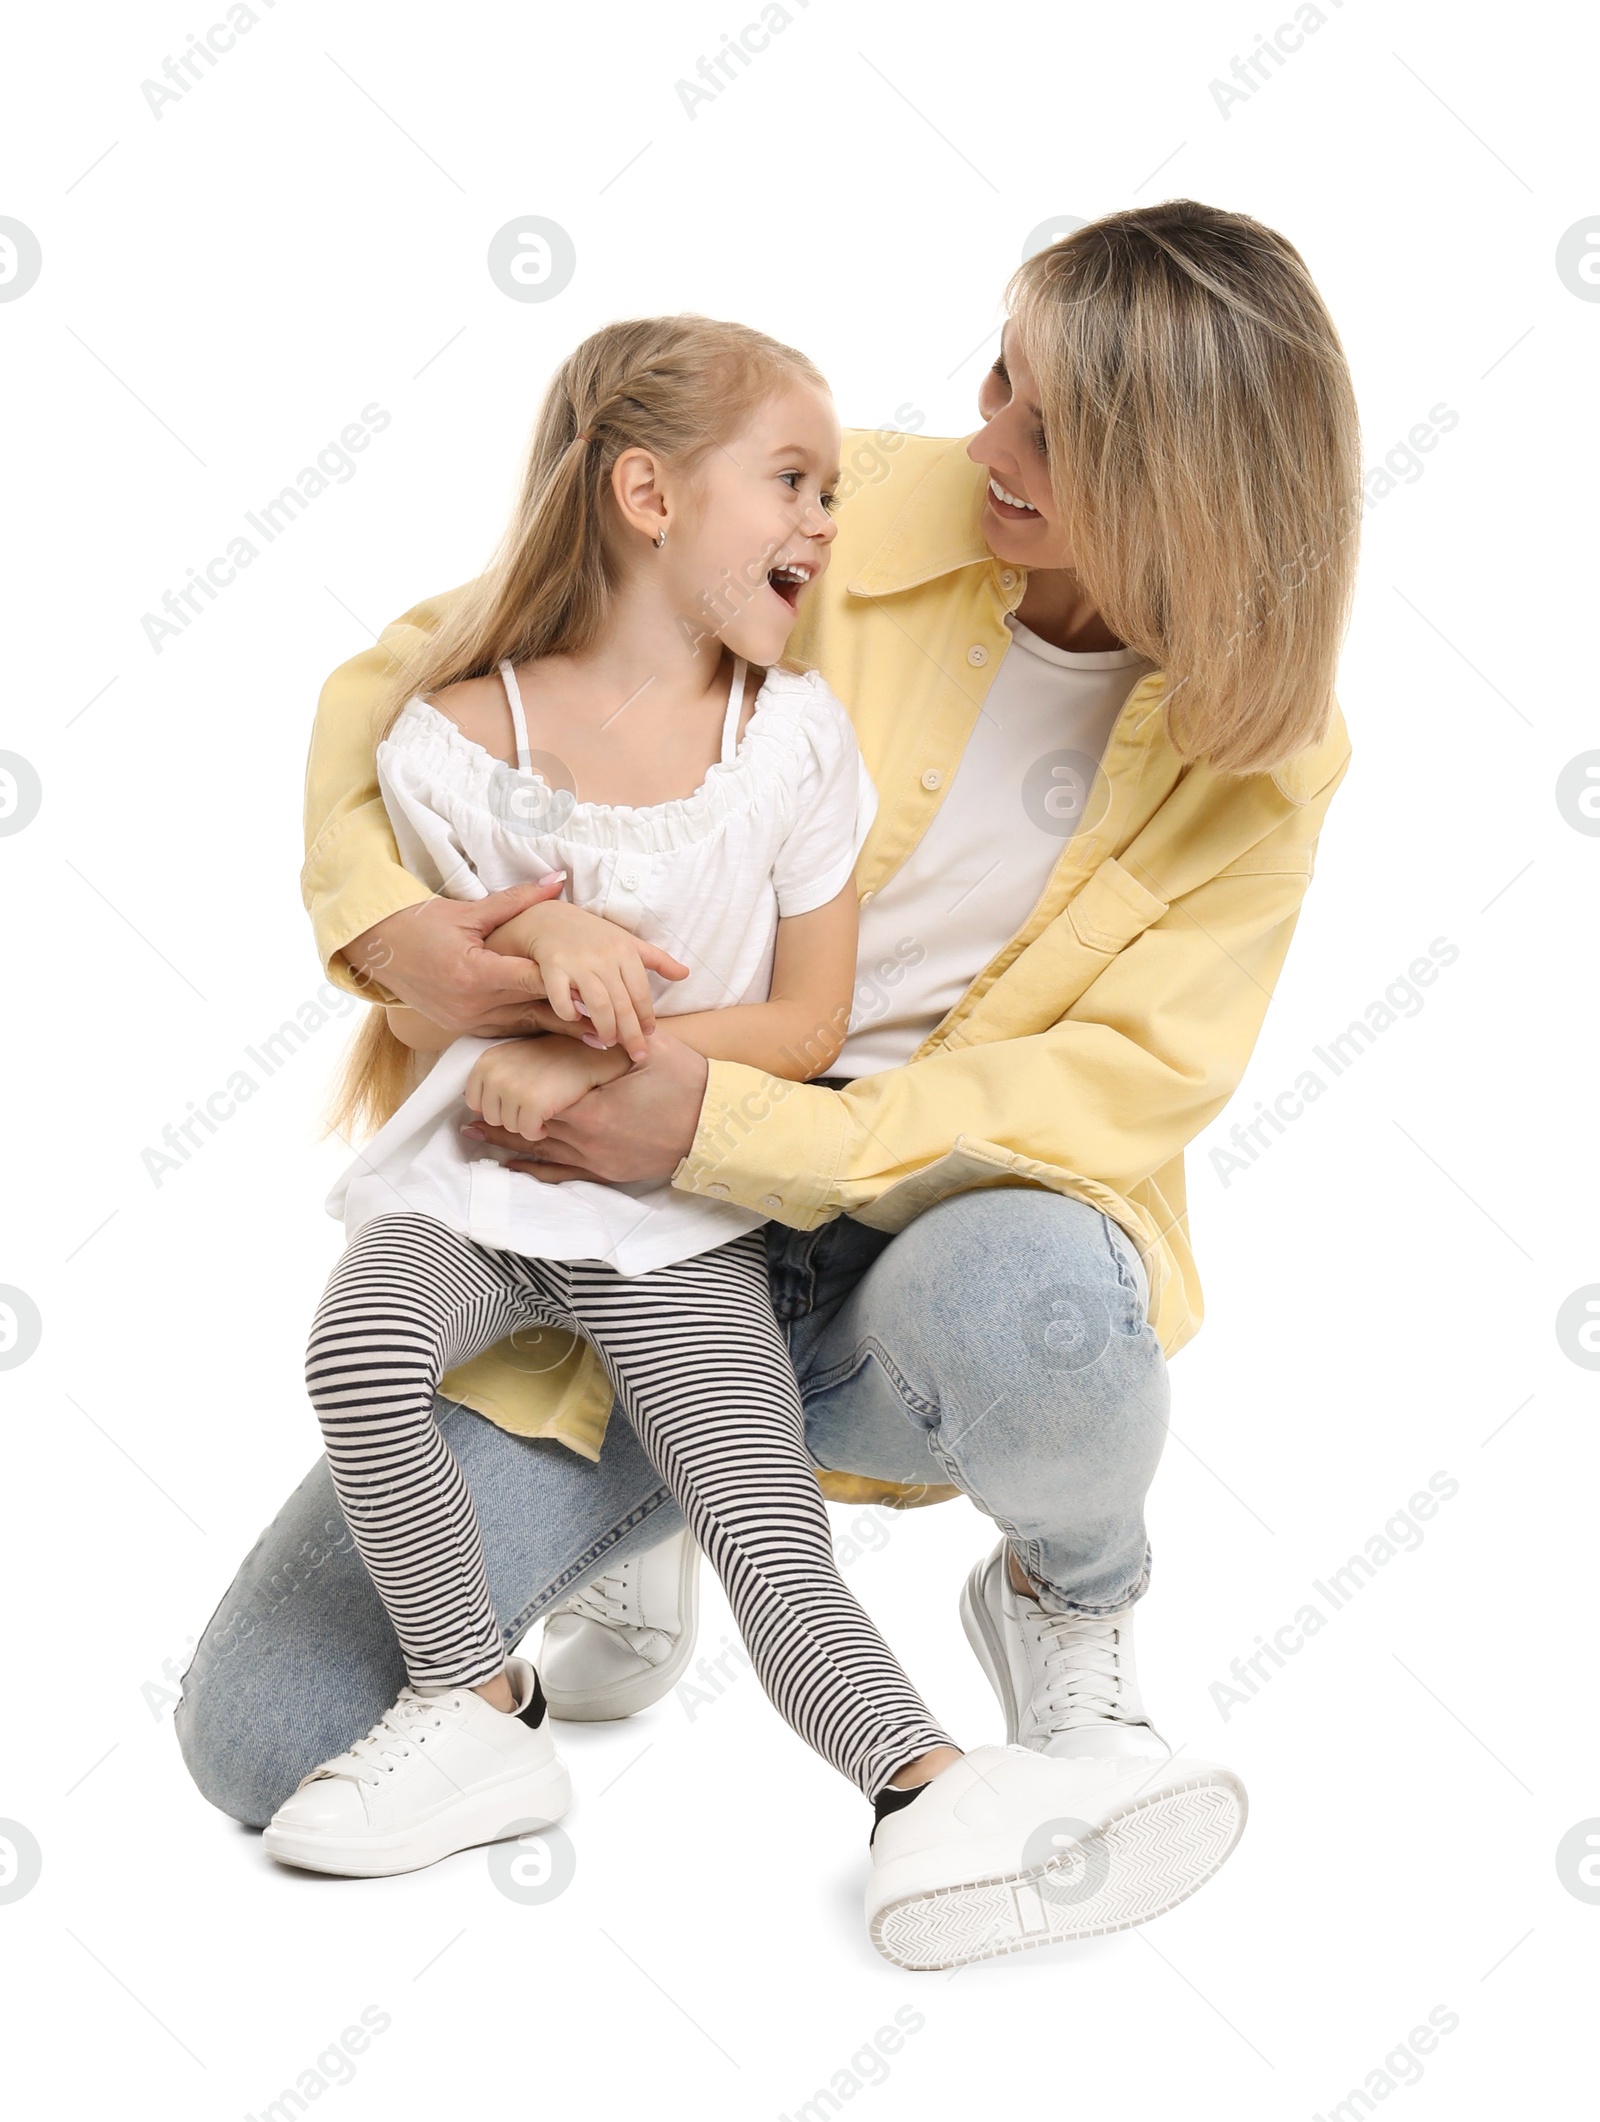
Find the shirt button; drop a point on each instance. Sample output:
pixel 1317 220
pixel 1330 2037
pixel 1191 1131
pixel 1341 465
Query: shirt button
pixel 977 654
pixel 772 1200
pixel 871 893
pixel 628 879
pixel 932 778
pixel 717 1190
pixel 1008 580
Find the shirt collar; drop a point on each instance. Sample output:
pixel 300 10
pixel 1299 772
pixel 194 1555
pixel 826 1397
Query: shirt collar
pixel 936 531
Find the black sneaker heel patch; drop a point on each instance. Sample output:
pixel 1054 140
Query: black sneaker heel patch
pixel 533 1715
pixel 890 1800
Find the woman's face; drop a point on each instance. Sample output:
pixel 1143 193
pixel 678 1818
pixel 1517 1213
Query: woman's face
pixel 1020 522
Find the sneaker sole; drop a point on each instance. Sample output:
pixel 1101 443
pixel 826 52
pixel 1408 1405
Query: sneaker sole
pixel 1156 1854
pixel 539 1798
pixel 625 1698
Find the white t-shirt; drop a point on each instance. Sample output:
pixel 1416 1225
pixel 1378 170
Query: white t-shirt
pixel 977 873
pixel 772 831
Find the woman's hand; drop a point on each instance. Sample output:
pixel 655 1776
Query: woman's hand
pixel 519 1086
pixel 592 968
pixel 639 1127
pixel 435 957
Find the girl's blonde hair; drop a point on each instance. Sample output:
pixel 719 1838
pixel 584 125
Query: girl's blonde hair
pixel 1205 452
pixel 676 386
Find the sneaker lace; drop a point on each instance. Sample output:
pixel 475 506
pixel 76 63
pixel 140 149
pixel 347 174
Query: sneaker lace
pixel 604 1600
pixel 397 1732
pixel 1083 1674
pixel 607 1600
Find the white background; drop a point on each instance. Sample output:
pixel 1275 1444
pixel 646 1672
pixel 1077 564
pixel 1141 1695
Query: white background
pixel 224 288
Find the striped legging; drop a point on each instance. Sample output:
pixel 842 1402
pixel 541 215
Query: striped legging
pixel 696 1359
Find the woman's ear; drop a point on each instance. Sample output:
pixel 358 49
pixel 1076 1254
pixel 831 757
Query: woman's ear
pixel 636 489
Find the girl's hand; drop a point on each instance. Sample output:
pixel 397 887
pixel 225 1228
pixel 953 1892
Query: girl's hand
pixel 521 1084
pixel 590 967
pixel 641 1126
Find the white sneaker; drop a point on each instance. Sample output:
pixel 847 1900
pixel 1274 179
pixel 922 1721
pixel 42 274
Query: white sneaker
pixel 624 1640
pixel 1067 1682
pixel 435 1774
pixel 1007 1849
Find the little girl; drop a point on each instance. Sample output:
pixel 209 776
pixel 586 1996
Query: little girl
pixel 706 818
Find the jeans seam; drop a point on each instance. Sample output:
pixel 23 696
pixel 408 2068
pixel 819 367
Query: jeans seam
pixel 871 1347
pixel 792 1277
pixel 1125 1276
pixel 963 1481
pixel 525 1619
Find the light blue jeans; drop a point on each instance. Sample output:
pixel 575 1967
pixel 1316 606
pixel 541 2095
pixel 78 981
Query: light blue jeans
pixel 998 1345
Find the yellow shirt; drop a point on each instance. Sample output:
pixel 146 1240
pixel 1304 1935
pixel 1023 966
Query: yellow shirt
pixel 1108 1032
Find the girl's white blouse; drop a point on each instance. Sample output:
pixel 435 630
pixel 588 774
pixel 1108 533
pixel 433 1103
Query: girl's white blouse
pixel 772 831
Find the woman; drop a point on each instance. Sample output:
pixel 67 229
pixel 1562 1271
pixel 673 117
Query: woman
pixel 1090 658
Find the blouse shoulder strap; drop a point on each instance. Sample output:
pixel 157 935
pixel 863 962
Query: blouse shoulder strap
pixel 730 723
pixel 519 721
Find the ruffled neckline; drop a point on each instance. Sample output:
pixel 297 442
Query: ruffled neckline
pixel 525 802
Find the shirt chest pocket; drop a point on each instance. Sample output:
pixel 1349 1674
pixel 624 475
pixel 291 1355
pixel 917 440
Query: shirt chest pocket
pixel 1109 911
pixel 1112 908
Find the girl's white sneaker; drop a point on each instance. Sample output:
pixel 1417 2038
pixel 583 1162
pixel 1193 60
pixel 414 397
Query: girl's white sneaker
pixel 1008 1849
pixel 624 1641
pixel 436 1773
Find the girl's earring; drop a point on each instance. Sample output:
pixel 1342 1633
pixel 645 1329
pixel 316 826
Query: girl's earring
pixel 661 537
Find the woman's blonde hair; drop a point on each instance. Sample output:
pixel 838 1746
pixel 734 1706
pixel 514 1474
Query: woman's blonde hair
pixel 1205 455
pixel 676 386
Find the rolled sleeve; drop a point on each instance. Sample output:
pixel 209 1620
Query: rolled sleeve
pixel 768 1145
pixel 352 877
pixel 349 883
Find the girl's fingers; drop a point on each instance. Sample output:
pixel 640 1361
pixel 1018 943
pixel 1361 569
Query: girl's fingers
pixel 628 1032
pixel 659 962
pixel 529 1121
pixel 597 1001
pixel 638 986
pixel 558 993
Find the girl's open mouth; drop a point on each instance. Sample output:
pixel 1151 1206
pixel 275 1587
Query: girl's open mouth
pixel 789 580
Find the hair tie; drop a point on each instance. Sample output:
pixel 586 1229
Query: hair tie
pixel 582 438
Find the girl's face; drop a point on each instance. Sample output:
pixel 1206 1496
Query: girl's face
pixel 756 527
pixel 1020 519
